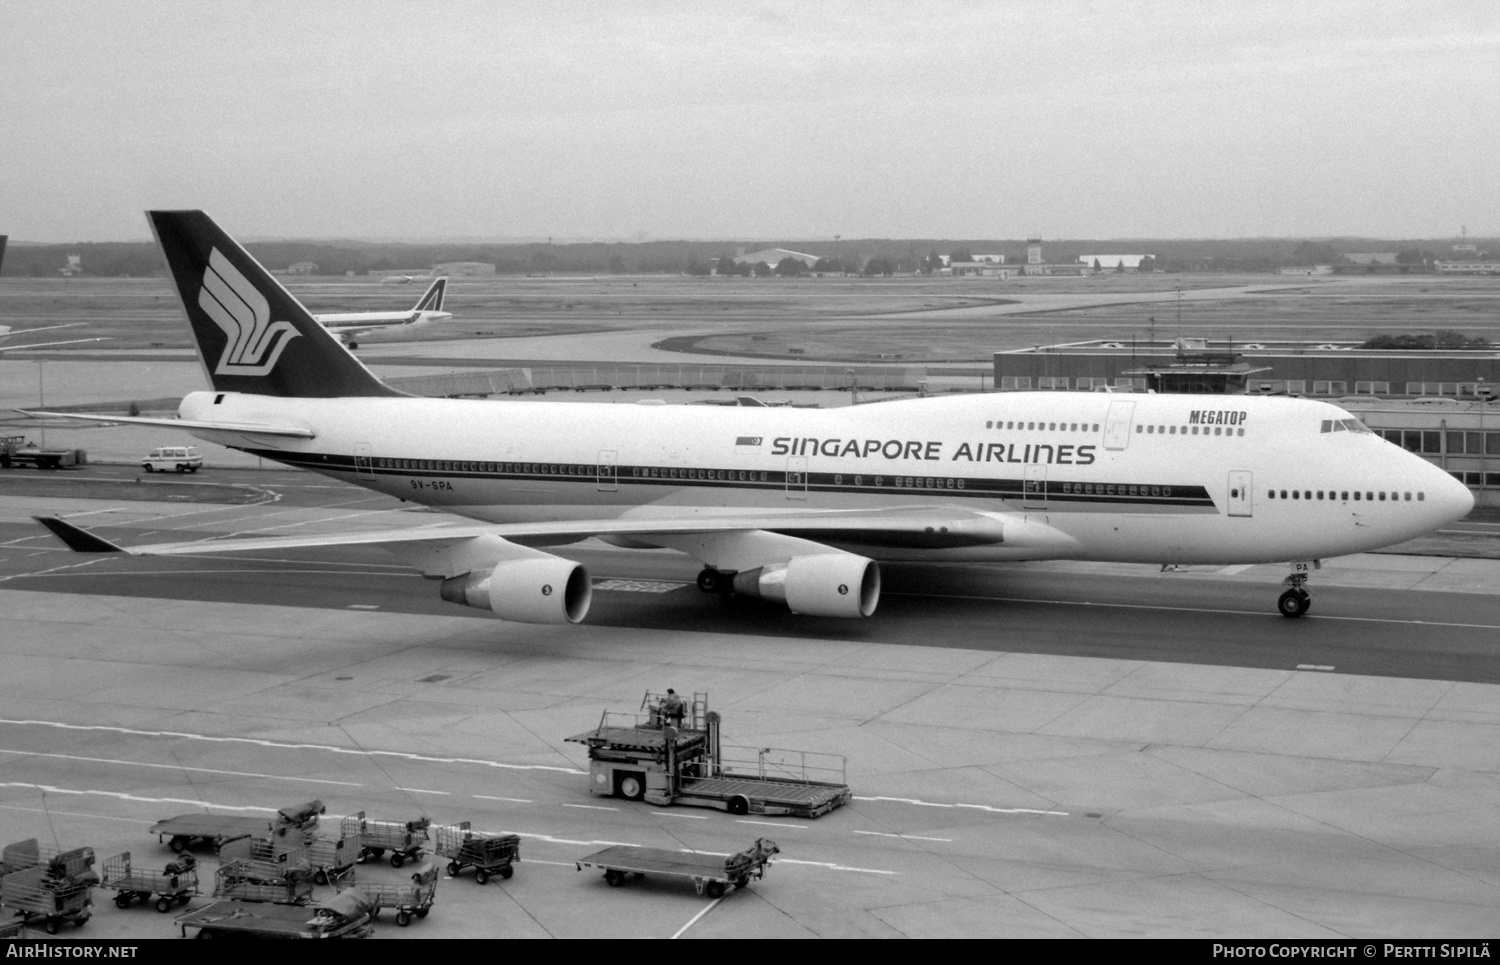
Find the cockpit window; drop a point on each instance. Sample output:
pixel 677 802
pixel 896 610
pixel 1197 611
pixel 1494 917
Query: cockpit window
pixel 1344 425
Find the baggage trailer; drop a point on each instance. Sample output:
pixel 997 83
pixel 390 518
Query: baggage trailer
pixel 346 915
pixel 331 859
pixel 177 883
pixel 326 859
pixel 405 840
pixel 20 855
pixel 712 874
pixel 487 854
pixel 643 757
pixel 413 900
pixel 33 893
pixel 243 881
pixel 217 829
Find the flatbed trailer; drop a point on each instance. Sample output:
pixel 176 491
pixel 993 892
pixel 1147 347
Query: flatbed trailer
pixel 644 757
pixel 214 830
pixel 346 915
pixel 711 874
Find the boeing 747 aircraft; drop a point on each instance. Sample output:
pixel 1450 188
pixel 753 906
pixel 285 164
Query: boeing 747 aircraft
pixel 351 325
pixel 794 505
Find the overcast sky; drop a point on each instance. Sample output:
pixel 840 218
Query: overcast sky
pixel 763 120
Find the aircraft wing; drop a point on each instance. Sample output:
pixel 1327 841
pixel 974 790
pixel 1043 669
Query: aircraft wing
pixel 242 428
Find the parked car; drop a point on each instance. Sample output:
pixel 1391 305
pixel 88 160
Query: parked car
pixel 173 459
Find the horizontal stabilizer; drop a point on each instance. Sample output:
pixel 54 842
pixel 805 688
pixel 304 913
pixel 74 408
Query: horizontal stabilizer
pixel 249 428
pixel 78 540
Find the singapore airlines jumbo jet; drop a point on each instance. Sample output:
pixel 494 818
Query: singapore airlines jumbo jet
pixel 792 505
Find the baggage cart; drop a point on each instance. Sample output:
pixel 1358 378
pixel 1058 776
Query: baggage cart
pixel 487 854
pixel 33 893
pixel 409 900
pixel 236 879
pixel 20 855
pixel 331 859
pixel 177 883
pixel 346 915
pixel 403 839
pixel 182 831
pixel 712 874
pixel 267 859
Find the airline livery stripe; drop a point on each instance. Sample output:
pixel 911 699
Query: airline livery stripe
pixel 972 487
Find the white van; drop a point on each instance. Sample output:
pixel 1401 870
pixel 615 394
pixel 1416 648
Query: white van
pixel 173 458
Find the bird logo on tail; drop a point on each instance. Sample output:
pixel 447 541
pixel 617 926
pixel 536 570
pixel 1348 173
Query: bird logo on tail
pixel 233 302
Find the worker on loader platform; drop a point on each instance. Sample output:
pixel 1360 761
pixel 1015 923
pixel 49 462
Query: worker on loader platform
pixel 673 709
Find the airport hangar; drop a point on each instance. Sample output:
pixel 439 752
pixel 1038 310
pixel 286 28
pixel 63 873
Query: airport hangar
pixel 1438 404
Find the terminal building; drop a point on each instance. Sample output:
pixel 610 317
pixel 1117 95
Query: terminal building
pixel 1440 405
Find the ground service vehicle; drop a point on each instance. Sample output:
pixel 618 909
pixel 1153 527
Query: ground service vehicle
pixel 16 452
pixel 297 822
pixel 346 915
pixel 712 874
pixel 409 900
pixel 642 757
pixel 173 459
pixel 403 839
pixel 177 883
pixel 487 854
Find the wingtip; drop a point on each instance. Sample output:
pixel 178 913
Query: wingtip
pixel 78 540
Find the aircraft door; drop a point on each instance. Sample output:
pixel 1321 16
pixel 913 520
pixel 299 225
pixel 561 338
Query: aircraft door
pixel 605 473
pixel 1241 493
pixel 796 477
pixel 1117 425
pixel 362 465
pixel 1034 488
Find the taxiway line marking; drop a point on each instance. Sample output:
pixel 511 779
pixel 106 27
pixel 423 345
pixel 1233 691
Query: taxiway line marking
pixel 122 796
pixel 590 807
pixel 771 824
pixel 694 920
pixel 423 790
pixel 512 800
pixel 690 817
pixel 72 814
pixel 281 745
pixel 178 767
pixel 909 837
pixel 835 866
pixel 973 807
pixel 1313 666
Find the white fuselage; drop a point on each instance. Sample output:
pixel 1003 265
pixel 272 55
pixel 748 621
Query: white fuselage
pixel 1143 478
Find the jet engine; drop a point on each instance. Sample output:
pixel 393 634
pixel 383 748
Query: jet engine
pixel 531 590
pixel 827 585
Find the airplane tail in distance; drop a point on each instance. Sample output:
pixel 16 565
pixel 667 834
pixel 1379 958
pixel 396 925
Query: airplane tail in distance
pixel 252 335
pixel 432 299
pixel 5 238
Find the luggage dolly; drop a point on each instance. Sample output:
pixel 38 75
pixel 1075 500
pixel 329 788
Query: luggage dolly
pixel 487 854
pixel 710 873
pixel 176 884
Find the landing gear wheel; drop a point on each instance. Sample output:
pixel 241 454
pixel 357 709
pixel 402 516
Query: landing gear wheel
pixel 1294 603
pixel 714 889
pixel 614 878
pixel 712 581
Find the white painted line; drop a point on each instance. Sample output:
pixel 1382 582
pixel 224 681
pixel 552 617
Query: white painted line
pixel 694 920
pixel 1312 666
pixel 590 807
pixel 560 864
pixel 178 767
pixel 121 796
pixel 1235 570
pixel 361 606
pixel 423 790
pixel 909 837
pixel 512 800
pixel 904 800
pixel 72 814
pixel 674 814
pixel 772 824
pixel 836 867
pixel 974 807
pixel 257 742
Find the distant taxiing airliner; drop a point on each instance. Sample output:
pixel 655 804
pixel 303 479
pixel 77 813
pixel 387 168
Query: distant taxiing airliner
pixel 351 325
pixel 793 505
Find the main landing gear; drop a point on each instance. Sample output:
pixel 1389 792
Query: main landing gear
pixel 711 580
pixel 1295 601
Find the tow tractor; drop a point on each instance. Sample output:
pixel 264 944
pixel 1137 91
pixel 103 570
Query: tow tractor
pixel 646 757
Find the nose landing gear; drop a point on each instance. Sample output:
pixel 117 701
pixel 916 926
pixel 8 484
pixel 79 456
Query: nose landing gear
pixel 1296 600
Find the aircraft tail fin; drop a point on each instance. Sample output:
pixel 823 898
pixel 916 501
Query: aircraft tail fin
pixel 252 335
pixel 432 299
pixel 3 240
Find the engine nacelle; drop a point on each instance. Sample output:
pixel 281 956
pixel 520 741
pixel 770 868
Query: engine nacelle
pixel 536 590
pixel 827 585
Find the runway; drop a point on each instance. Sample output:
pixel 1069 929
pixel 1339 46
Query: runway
pixel 1044 750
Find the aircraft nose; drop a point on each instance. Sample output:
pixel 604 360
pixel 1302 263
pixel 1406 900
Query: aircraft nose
pixel 1452 500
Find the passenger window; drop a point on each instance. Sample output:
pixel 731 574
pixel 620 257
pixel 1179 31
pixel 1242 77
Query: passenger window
pixel 1150 429
pixel 1295 493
